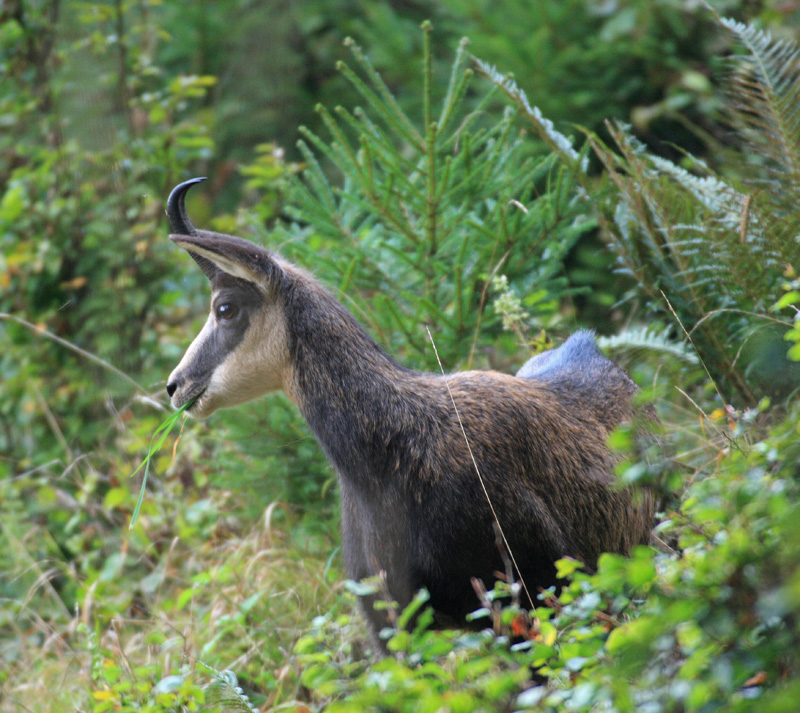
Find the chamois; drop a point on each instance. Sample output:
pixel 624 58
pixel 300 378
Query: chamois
pixel 413 506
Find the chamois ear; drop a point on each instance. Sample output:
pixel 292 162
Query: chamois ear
pixel 234 256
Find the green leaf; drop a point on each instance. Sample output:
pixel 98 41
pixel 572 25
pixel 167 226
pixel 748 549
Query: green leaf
pixel 363 588
pixel 115 497
pixel 641 572
pixel 566 567
pixel 12 205
pixel 792 297
pixel 420 599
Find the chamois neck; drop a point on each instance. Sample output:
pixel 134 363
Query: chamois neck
pixel 349 390
pixel 328 345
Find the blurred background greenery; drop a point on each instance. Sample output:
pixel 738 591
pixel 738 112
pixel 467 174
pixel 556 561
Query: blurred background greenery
pixel 676 217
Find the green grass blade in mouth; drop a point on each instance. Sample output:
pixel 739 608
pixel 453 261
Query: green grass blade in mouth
pixel 156 442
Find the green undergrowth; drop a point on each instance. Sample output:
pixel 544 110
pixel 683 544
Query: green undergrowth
pixel 708 624
pixel 152 619
pixel 459 210
pixel 198 608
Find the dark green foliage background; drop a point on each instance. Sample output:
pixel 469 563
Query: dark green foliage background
pixel 234 564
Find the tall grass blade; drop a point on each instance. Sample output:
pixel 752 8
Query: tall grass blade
pixel 155 445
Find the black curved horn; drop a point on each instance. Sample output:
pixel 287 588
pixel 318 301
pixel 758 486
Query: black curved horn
pixel 179 222
pixel 176 208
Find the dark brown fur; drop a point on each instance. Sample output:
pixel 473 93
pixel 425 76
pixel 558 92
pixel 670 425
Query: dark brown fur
pixel 412 502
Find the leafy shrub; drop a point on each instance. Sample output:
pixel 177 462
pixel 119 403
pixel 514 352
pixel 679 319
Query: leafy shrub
pixel 81 247
pixel 429 671
pixel 712 628
pixel 429 210
pixel 689 237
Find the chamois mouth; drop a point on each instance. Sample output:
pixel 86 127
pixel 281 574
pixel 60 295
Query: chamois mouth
pixel 193 398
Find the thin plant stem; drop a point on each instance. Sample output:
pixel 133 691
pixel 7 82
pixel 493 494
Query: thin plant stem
pixel 480 477
pixel 40 331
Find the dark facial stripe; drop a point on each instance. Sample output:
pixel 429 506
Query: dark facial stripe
pixel 225 335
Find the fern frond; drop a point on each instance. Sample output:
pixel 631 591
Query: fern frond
pixel 765 94
pixel 710 191
pixel 647 339
pixel 225 690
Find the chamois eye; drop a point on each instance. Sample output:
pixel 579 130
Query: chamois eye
pixel 226 311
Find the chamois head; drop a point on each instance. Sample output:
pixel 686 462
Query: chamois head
pixel 241 353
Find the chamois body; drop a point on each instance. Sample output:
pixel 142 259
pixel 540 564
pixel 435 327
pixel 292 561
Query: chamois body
pixel 412 502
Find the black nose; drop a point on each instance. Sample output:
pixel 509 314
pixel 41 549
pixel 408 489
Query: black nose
pixel 172 387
